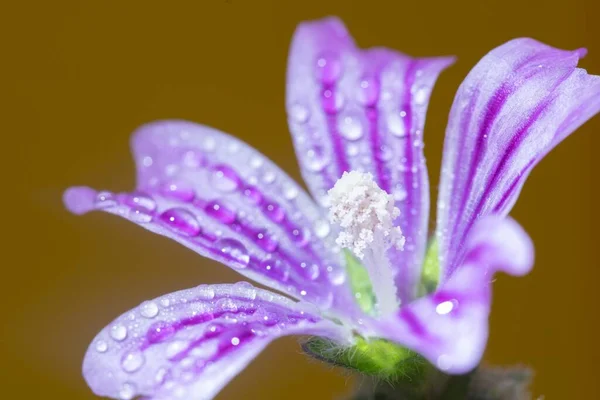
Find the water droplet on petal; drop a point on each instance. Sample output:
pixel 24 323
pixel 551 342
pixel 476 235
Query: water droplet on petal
pixel 224 178
pixel 118 332
pixel 399 193
pixel 140 215
pixel 234 251
pixel 178 190
pixel 132 361
pixel 315 160
pixel 245 290
pixel 350 126
pixel 220 212
pixel 105 200
pixel 266 241
pixel 368 92
pixel 159 332
pixel 446 307
pixel 127 391
pixel 141 201
pixel 384 153
pixel 161 375
pixel 332 102
pixel 290 193
pixel 253 195
pixel 444 362
pixel 149 309
pixel 101 346
pixel 276 269
pixel 274 212
pixel 322 228
pixel 205 292
pixel 299 113
pixel 396 124
pixel 328 67
pixel 420 94
pixel 336 276
pixel 226 305
pixel 181 221
pixel 176 347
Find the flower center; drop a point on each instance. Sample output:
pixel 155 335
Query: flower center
pixel 366 214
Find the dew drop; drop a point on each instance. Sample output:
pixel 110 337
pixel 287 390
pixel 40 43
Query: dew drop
pixel 266 241
pixel 140 215
pixel 322 228
pixel 420 94
pixel 234 251
pixel 245 290
pixel 141 201
pixel 127 391
pixel 101 346
pixel 181 221
pixel 399 193
pixel 444 362
pixel 396 124
pixel 118 332
pixel 176 347
pixel 336 276
pixel 226 305
pixel 132 361
pixel 384 153
pixel 446 307
pixel 350 126
pixel 274 212
pixel 205 292
pixel 219 212
pixel 178 190
pixel 149 309
pixel 332 102
pixel 253 195
pixel 159 332
pixel 328 68
pixel 315 160
pixel 368 91
pixel 161 375
pixel 275 269
pixel 105 200
pixel 290 192
pixel 299 113
pixel 224 179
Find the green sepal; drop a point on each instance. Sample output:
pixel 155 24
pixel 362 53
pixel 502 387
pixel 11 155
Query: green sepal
pixel 379 358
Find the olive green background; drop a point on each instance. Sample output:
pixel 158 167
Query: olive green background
pixel 77 77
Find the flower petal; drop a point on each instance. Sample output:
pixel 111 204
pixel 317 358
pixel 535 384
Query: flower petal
pixel 189 344
pixel 450 326
pixel 223 199
pixel 363 110
pixel 520 101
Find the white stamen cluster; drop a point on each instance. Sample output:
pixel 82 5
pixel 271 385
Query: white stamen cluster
pixel 365 213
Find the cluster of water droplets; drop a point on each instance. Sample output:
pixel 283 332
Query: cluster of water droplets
pixel 168 342
pixel 368 119
pixel 253 218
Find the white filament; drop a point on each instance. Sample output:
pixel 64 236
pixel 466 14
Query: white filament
pixel 366 215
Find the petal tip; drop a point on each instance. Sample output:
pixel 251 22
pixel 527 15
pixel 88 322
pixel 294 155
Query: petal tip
pixel 79 199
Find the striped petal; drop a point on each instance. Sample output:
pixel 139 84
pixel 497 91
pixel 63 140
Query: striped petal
pixel 363 110
pixel 190 344
pixel 223 199
pixel 450 326
pixel 520 101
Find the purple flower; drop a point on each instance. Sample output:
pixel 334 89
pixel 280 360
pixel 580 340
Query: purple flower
pixel 349 110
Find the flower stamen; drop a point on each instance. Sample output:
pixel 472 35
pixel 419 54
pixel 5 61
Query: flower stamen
pixel 366 215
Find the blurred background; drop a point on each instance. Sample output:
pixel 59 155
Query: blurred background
pixel 78 76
